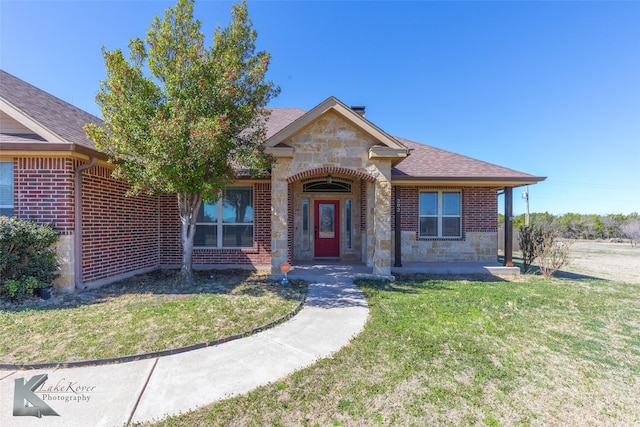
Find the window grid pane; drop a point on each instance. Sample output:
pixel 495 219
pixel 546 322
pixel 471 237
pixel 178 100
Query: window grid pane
pixel 428 204
pixel 206 235
pixel 237 206
pixel 451 203
pixel 451 226
pixel 237 236
pixel 429 226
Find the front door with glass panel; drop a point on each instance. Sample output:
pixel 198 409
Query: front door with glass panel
pixel 327 229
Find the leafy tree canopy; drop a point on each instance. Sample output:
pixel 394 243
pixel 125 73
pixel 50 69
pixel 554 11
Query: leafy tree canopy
pixel 180 117
pixel 183 118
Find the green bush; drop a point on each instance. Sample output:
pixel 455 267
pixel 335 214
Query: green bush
pixel 27 261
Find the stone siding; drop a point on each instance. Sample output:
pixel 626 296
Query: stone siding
pixel 476 247
pixel 333 145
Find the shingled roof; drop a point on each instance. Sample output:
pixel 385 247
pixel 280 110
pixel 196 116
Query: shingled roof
pixel 434 164
pixel 280 118
pixel 63 122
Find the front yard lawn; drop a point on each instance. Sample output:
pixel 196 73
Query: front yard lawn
pixel 146 313
pixel 531 351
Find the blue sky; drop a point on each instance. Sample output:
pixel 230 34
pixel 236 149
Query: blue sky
pixel 548 88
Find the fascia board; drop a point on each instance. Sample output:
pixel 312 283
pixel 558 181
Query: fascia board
pixel 465 182
pixel 279 151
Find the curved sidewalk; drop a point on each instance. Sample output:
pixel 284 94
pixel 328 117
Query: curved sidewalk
pixel 113 395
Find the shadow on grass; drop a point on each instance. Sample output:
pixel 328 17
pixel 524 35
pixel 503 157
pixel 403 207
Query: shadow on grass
pixel 167 282
pixel 561 274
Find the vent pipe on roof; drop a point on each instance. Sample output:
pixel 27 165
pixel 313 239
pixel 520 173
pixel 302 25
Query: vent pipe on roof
pixel 359 109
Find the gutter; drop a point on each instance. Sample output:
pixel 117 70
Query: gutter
pixel 77 221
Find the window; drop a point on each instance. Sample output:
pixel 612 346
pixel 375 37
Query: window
pixel 305 224
pixel 6 188
pixel 347 214
pixel 328 186
pixel 227 222
pixel 440 214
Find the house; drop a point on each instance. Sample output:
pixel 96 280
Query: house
pixel 340 188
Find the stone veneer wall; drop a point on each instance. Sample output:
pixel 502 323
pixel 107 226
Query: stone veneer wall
pixel 476 247
pixel 333 142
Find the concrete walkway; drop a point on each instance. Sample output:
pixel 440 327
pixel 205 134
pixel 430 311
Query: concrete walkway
pixel 113 395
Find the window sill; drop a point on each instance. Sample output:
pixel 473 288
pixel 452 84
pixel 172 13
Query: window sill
pixel 431 238
pixel 249 250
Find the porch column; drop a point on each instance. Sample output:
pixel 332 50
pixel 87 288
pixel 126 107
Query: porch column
pixel 382 221
pixel 279 213
pixel 508 227
pixel 398 231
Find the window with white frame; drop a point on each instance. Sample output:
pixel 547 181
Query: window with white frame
pixel 6 189
pixel 228 221
pixel 440 214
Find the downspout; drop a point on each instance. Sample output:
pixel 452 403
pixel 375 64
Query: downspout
pixel 77 221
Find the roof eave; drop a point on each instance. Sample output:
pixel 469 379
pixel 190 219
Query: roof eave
pixel 497 182
pixel 44 149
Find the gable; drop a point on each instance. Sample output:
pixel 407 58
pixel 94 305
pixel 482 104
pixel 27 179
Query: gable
pixel 52 119
pixel 12 126
pixel 12 131
pixel 378 143
pixel 331 132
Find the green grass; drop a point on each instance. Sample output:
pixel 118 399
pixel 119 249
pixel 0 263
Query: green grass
pixel 465 352
pixel 143 314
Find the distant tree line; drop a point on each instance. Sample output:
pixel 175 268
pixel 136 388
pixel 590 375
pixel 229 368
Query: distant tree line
pixel 584 226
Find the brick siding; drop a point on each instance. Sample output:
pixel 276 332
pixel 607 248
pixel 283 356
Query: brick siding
pixel 479 208
pixel 123 234
pixel 43 191
pixel 119 233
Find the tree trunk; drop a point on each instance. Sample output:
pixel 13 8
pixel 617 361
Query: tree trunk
pixel 189 205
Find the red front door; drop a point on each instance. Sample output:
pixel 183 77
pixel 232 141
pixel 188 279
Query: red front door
pixel 327 228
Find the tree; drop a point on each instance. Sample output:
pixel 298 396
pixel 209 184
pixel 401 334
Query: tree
pixel 182 118
pixel 631 229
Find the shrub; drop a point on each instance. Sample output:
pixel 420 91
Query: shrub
pixel 27 261
pixel 551 253
pixel 529 240
pixel 540 243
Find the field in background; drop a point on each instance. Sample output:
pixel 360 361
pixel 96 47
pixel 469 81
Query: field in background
pixel 595 259
pixel 604 260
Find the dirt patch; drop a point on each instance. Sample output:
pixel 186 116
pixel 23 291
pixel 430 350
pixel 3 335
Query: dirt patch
pixel 605 260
